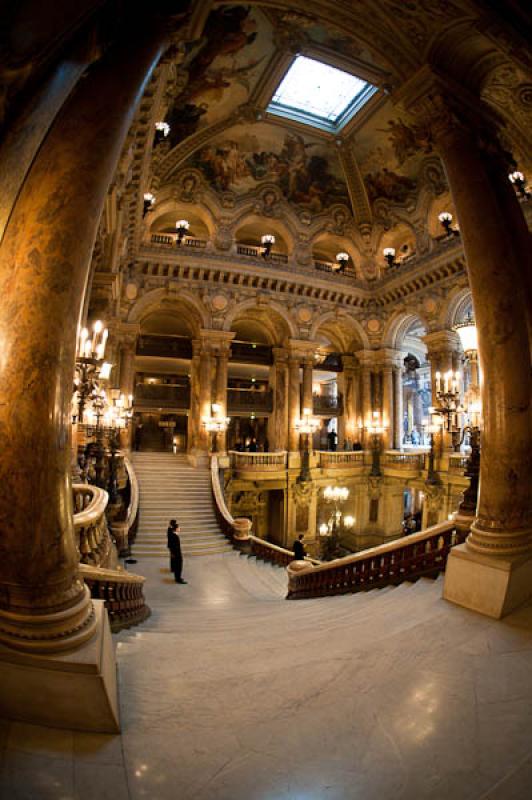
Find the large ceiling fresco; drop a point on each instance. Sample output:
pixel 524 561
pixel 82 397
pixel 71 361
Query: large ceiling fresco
pixel 306 171
pixel 389 151
pixel 223 68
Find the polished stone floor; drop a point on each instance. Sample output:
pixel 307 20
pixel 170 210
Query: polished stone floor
pixel 228 692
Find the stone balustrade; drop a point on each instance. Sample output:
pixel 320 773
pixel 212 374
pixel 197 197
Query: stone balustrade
pixel 122 593
pixel 90 524
pixel 258 462
pixel 239 532
pixel 168 240
pixel 330 459
pixel 420 554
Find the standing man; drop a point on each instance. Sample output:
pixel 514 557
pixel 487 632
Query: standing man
pixel 174 545
pixel 299 550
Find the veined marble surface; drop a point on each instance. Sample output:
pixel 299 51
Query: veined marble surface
pixel 228 692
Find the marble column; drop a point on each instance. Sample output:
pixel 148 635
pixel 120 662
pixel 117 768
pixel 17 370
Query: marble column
pixel 278 420
pixel 306 401
pixel 44 265
pixel 350 401
pixel 493 571
pixel 366 397
pixel 205 396
pixel 194 416
pixel 388 415
pixel 398 428
pixel 294 401
pixel 222 362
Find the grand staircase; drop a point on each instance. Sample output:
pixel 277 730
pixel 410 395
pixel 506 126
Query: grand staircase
pixel 170 488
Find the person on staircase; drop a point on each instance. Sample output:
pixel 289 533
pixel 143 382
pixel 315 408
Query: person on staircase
pixel 176 556
pixel 298 548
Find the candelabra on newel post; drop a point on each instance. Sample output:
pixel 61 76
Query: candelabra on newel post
pixel 448 398
pixel 433 429
pixel 116 418
pixel 306 427
pixel 90 365
pixel 376 427
pixel 467 509
pixel 215 423
pixel 330 531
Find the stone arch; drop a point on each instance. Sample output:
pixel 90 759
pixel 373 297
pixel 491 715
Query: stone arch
pixel 255 222
pixel 168 209
pixel 397 326
pixel 277 320
pixel 348 325
pixel 184 303
pixel 457 307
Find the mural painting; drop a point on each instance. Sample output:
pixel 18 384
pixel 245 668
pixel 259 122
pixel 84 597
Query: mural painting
pixel 241 161
pixel 223 67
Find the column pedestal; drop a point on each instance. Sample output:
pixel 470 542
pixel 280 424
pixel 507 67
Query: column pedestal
pixel 75 690
pixel 491 586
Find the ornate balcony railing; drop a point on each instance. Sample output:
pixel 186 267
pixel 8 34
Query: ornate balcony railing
pixel 164 346
pixel 258 462
pixel 256 252
pixel 170 241
pixel 329 266
pixel 325 404
pixel 404 461
pixel 251 353
pixel 249 400
pixel 162 395
pixel 341 458
pixel 458 462
pixel 420 554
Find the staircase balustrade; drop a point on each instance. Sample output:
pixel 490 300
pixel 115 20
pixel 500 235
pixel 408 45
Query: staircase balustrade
pixel 90 524
pixel 260 548
pixel 422 554
pixel 122 591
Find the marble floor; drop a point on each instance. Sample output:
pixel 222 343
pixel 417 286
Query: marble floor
pixel 228 692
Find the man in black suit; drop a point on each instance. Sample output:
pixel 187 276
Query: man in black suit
pixel 174 545
pixel 299 550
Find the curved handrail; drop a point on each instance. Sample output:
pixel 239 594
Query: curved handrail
pixel 134 494
pixel 91 511
pixel 118 575
pixel 90 524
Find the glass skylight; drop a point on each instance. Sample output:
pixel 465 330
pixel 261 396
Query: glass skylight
pixel 319 94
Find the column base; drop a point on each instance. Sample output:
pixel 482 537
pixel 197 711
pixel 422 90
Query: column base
pixel 491 585
pixel 75 690
pixel 198 458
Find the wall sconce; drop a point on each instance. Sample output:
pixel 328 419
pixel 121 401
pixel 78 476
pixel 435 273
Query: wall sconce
pixel 446 219
pixel 389 255
pixel 519 183
pixel 342 260
pixel 267 241
pixel 149 201
pixel 162 129
pixel 182 226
